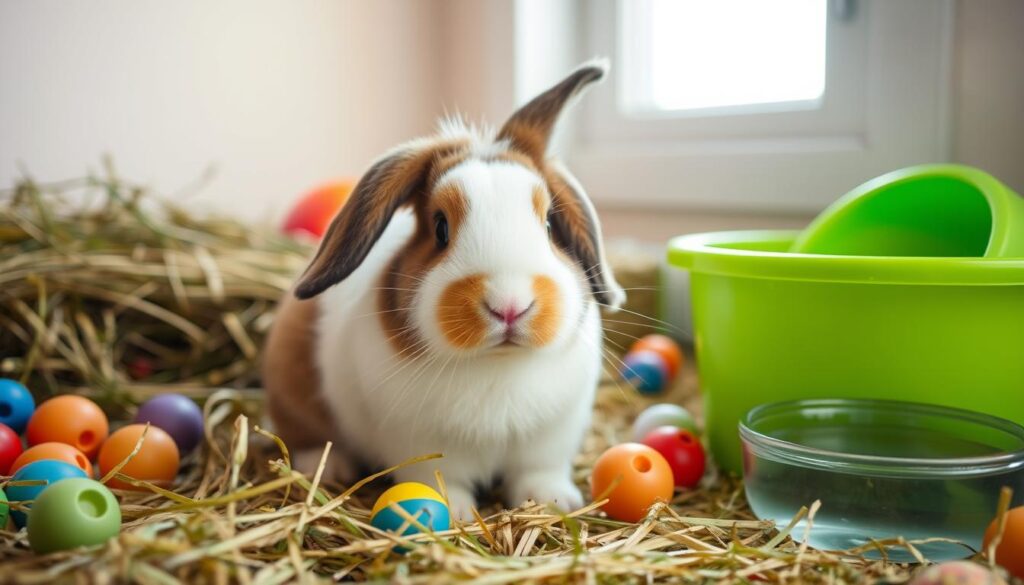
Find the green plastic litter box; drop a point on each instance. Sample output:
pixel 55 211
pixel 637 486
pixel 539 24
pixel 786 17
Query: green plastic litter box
pixel 771 325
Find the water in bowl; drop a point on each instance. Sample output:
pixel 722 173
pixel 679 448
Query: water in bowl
pixel 858 508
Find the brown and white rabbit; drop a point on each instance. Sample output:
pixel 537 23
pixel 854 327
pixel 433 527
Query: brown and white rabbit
pixel 453 307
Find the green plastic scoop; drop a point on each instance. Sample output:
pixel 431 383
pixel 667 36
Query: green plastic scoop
pixel 928 210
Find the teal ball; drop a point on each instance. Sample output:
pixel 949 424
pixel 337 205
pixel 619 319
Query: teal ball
pixel 419 501
pixel 430 513
pixel 48 470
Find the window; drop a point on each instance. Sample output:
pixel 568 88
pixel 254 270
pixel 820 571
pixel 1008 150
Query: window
pixel 699 57
pixel 744 104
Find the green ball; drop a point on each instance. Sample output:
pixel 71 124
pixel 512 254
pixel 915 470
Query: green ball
pixel 72 513
pixel 4 509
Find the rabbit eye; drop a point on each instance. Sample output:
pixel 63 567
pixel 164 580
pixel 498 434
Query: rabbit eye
pixel 547 225
pixel 441 230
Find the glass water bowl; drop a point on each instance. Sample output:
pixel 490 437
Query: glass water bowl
pixel 882 469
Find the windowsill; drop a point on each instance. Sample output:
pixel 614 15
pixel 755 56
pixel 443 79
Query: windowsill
pixel 656 227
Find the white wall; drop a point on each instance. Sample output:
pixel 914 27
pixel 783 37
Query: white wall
pixel 279 95
pixel 282 95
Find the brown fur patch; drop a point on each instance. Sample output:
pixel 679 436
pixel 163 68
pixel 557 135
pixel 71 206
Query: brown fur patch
pixel 450 200
pixel 410 266
pixel 290 376
pixel 445 164
pixel 516 158
pixel 458 312
pixel 544 324
pixel 541 204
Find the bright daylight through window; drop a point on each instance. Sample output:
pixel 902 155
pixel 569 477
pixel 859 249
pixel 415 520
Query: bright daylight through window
pixel 728 54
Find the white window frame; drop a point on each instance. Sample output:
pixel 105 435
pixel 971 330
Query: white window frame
pixel 888 108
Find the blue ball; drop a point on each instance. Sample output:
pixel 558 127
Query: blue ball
pixel 645 370
pixel 420 501
pixel 430 513
pixel 48 470
pixel 16 405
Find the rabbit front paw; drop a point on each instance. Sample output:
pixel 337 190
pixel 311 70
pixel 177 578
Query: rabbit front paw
pixel 553 488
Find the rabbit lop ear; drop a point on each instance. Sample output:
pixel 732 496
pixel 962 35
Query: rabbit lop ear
pixel 392 182
pixel 574 222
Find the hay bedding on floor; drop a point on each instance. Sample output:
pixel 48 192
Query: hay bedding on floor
pixel 119 298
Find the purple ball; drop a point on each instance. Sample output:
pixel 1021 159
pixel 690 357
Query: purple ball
pixel 178 415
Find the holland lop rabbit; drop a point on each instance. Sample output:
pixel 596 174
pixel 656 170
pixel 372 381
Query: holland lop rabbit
pixel 452 307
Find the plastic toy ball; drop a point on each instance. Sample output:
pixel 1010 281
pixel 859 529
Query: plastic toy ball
pixel 73 513
pixel 10 448
pixel 46 470
pixel 4 509
pixel 16 404
pixel 660 415
pixel 1010 552
pixel 420 501
pixel 645 370
pixel 682 450
pixel 664 346
pixel 178 415
pixel 643 476
pixel 314 212
pixel 70 419
pixel 55 451
pixel 157 461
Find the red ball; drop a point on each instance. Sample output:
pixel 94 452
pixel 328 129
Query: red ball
pixel 10 448
pixel 313 213
pixel 682 450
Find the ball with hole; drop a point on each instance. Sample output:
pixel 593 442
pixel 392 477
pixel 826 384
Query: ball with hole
pixel 157 460
pixel 179 416
pixel 55 451
pixel 419 501
pixel 45 470
pixel 10 448
pixel 16 404
pixel 633 477
pixel 69 419
pixel 682 450
pixel 645 370
pixel 660 415
pixel 73 513
pixel 664 346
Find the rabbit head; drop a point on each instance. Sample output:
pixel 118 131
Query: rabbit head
pixel 506 255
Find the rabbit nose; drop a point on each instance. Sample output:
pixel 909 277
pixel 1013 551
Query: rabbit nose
pixel 508 314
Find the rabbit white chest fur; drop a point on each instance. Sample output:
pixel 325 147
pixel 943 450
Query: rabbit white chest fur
pixel 520 415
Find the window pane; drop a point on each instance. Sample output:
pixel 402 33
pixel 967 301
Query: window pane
pixel 708 54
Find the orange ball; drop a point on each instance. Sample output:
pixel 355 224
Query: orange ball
pixel 157 461
pixel 56 451
pixel 1010 552
pixel 643 476
pixel 69 419
pixel 665 347
pixel 314 212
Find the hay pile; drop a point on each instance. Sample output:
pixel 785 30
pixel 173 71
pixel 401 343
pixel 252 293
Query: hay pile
pixel 102 289
pixel 119 301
